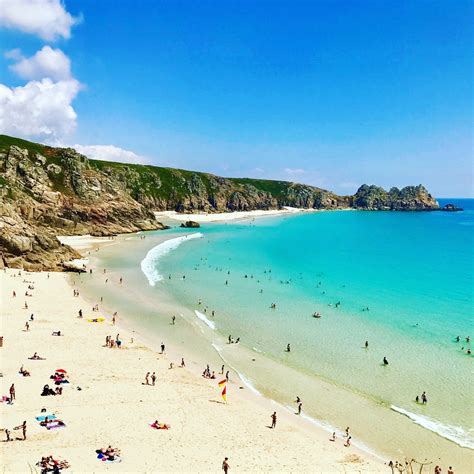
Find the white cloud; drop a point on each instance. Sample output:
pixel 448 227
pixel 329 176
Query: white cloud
pixel 46 18
pixel 294 171
pixel 40 109
pixel 14 54
pixel 47 62
pixel 110 153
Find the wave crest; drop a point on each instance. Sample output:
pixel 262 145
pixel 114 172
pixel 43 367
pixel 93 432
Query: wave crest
pixel 456 434
pixel 149 263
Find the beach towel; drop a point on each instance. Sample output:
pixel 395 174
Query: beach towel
pixel 54 425
pixel 96 320
pixel 42 418
pixel 103 458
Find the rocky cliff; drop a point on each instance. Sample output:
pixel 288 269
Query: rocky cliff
pixel 48 191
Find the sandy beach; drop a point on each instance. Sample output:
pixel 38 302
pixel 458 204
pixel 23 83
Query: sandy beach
pixel 107 403
pixel 226 216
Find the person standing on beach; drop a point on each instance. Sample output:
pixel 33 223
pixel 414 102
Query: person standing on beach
pixel 225 465
pixel 153 379
pixel 23 429
pixel 227 376
pixel 147 382
pixel 274 420
pixel 300 406
pixel 366 344
pixel 162 348
pixel 12 392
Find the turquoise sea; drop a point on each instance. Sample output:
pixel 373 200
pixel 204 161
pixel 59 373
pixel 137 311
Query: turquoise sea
pixel 401 281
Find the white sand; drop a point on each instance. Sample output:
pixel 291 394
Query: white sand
pixel 81 242
pixel 225 216
pixel 114 407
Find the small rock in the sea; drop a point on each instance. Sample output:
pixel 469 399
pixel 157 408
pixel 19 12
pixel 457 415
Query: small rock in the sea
pixel 190 224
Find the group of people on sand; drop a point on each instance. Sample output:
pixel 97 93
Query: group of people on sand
pixel 438 470
pixel 49 464
pixel 230 340
pixel 47 391
pixel 21 427
pixel 207 373
pixel 150 378
pixel 110 342
pixel 347 436
pixel 108 454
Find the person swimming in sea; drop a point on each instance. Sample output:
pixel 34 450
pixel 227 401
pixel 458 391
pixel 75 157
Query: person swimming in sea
pixel 366 344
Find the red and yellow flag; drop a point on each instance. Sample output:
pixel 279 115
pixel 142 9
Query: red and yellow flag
pixel 223 384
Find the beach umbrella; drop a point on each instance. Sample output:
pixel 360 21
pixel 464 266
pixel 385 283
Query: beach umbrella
pixel 61 371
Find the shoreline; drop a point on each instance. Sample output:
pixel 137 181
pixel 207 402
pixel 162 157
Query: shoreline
pixel 309 423
pixel 87 429
pixel 440 444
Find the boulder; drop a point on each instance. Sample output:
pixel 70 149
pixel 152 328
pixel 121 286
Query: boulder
pixel 191 224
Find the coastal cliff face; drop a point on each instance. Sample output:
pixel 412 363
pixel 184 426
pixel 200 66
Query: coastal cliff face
pixel 410 198
pixel 48 191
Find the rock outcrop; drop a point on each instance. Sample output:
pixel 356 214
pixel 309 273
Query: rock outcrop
pixel 190 225
pixel 48 191
pixel 410 198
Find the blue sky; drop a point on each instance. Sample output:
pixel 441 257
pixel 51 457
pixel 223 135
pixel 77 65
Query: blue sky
pixel 331 93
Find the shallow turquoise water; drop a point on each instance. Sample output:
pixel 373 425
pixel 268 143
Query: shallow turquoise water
pixel 414 271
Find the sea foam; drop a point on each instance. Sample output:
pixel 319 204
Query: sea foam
pixel 149 263
pixel 456 434
pixel 242 377
pixel 206 321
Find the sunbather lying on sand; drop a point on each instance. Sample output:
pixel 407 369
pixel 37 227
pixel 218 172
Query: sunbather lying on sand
pixel 48 464
pixel 35 356
pixel 160 426
pixel 24 372
pixel 109 454
pixel 56 423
